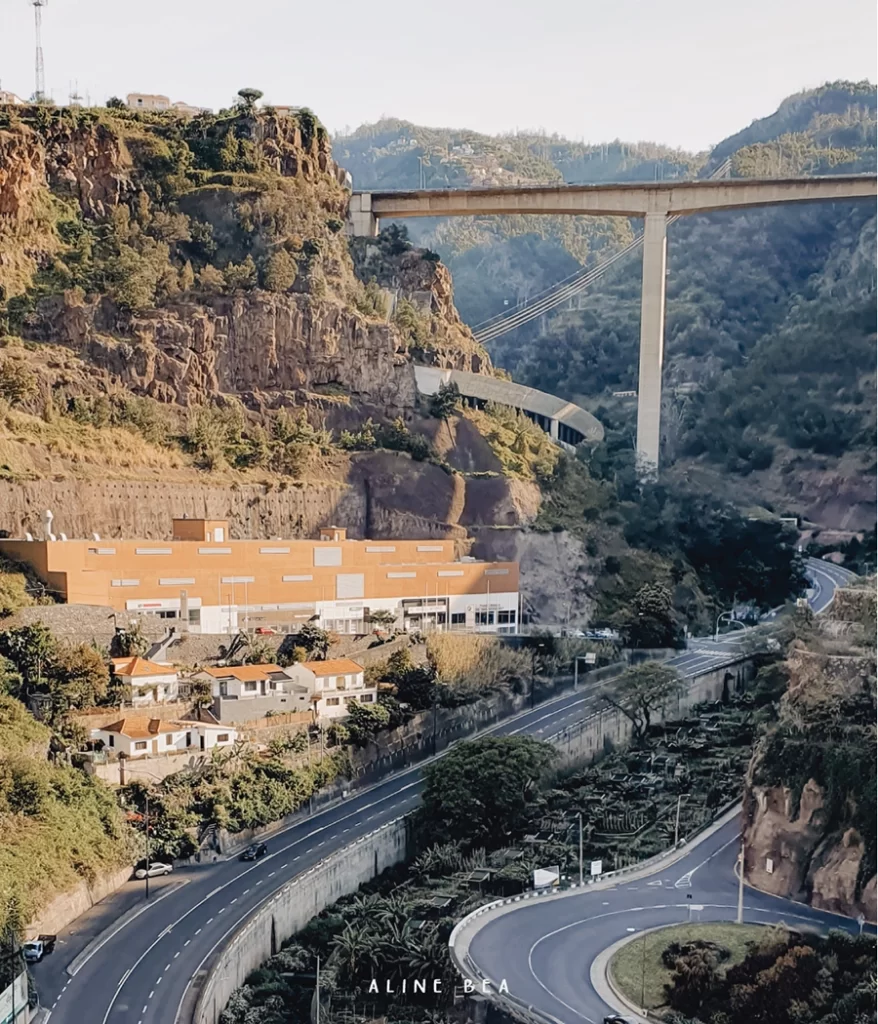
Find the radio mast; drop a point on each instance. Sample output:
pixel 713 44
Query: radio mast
pixel 40 89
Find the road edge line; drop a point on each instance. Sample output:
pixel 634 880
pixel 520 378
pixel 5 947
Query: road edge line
pixel 100 940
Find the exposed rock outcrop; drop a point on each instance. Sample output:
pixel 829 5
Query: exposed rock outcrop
pixel 810 799
pixel 187 353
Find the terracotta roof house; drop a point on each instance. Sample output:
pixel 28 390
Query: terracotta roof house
pixel 150 682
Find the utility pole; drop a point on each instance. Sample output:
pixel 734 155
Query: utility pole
pixel 580 848
pixel 740 918
pixel 40 76
pixel 643 973
pixel 677 822
pixel 146 879
pixel 317 995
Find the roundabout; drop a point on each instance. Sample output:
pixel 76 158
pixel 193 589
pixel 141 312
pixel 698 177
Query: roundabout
pixel 555 949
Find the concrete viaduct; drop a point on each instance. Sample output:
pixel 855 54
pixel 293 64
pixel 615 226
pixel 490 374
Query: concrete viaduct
pixel 656 203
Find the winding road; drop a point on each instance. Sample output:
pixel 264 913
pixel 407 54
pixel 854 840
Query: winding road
pixel 143 973
pixel 546 948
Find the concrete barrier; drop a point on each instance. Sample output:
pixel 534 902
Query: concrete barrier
pixel 608 728
pixel 288 911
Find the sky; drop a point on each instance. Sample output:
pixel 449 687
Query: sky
pixel 685 73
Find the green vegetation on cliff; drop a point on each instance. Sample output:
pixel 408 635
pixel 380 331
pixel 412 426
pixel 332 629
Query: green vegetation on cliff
pixel 59 826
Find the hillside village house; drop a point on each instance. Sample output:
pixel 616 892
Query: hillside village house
pixel 202 581
pixel 149 737
pixel 324 688
pixel 338 683
pixel 150 683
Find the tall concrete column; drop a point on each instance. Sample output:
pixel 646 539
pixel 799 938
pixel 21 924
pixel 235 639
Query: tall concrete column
pixel 361 221
pixel 652 341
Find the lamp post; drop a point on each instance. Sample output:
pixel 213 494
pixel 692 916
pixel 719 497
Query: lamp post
pixel 533 670
pixel 146 825
pixel 580 848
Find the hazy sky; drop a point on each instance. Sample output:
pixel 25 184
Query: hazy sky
pixel 682 72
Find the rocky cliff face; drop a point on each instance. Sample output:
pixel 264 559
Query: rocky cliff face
pixel 253 345
pixel 206 257
pixel 810 803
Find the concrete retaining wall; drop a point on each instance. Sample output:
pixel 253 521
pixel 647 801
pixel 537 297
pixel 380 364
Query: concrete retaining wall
pixel 608 728
pixel 67 906
pixel 290 909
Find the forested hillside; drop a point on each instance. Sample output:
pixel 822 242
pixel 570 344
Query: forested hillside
pixel 755 299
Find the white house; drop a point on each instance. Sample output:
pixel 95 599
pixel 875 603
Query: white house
pixel 150 682
pixel 338 683
pixel 243 682
pixel 149 737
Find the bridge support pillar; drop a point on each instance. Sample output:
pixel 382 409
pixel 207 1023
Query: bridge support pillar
pixel 362 222
pixel 652 342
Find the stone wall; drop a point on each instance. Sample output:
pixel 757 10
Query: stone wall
pixel 67 906
pixel 290 909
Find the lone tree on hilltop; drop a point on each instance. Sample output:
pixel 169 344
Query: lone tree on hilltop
pixel 642 691
pixel 249 98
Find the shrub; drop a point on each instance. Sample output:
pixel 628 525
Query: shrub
pixel 280 271
pixel 17 381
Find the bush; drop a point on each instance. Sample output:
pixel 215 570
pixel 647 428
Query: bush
pixel 17 381
pixel 280 271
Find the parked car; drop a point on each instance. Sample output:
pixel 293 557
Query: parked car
pixel 255 851
pixel 156 868
pixel 617 1018
pixel 34 950
pixel 265 631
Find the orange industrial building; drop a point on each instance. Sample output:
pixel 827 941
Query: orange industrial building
pixel 208 583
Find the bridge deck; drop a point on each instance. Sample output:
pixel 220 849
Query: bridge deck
pixel 630 199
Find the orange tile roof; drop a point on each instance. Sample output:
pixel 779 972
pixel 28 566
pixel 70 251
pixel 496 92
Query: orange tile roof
pixel 244 673
pixel 142 728
pixel 138 666
pixel 333 667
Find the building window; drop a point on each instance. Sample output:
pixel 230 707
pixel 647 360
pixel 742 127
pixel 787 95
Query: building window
pixel 458 618
pixel 188 739
pixel 341 682
pixel 368 698
pixel 169 740
pixel 332 702
pixel 485 618
pixel 112 741
pixel 250 687
pixel 223 737
pixel 140 745
pixel 351 699
pixel 505 617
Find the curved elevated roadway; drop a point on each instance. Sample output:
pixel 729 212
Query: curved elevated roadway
pixel 142 974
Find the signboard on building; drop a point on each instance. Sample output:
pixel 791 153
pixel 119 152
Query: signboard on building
pixel 13 1001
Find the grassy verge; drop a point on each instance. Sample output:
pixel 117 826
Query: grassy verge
pixel 637 967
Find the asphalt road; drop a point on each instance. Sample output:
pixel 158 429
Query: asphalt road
pixel 544 949
pixel 140 975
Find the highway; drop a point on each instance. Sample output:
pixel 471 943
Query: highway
pixel 545 948
pixel 141 975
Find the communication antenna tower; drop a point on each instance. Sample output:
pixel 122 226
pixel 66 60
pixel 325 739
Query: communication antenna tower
pixel 40 90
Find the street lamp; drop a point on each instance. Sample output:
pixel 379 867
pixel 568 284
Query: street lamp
pixel 732 622
pixel 533 669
